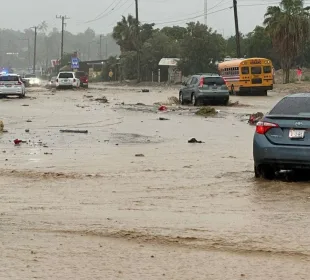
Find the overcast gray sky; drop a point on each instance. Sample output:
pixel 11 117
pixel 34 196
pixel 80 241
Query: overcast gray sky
pixel 23 14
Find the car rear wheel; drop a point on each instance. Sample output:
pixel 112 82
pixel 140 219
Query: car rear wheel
pixel 267 172
pixel 225 101
pixel 181 100
pixel 194 100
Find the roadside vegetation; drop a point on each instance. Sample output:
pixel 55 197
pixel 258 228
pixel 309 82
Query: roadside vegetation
pixel 283 37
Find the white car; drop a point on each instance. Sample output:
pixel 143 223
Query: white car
pixel 12 84
pixel 32 80
pixel 67 80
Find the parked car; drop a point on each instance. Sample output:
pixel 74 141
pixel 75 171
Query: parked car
pixel 204 88
pixel 32 80
pixel 11 84
pixel 282 137
pixel 51 83
pixel 67 80
pixel 83 77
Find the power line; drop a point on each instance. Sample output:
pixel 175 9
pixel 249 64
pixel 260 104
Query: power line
pixel 209 13
pixel 105 13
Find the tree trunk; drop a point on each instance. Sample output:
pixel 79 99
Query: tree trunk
pixel 287 75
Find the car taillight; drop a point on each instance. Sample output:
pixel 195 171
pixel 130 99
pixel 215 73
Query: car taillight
pixel 86 80
pixel 201 83
pixel 263 127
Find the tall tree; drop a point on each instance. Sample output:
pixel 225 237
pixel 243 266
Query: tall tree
pixel 201 48
pixel 288 26
pixel 125 34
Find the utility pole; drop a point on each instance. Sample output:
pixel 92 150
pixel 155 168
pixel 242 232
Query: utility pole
pixel 34 50
pixel 138 40
pixel 237 29
pixel 100 47
pixel 206 12
pixel 63 18
pixel 106 47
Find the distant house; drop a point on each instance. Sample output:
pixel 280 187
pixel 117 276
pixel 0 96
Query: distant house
pixel 174 74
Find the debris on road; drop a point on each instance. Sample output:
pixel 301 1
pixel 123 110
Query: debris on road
pixel 1 126
pixel 163 119
pixel 73 131
pixel 25 105
pixel 28 120
pixel 237 104
pixel 173 100
pixel 162 108
pixel 139 155
pixel 102 99
pixel 27 130
pixel 18 141
pixel 145 90
pixel 194 140
pixel 255 118
pixel 206 112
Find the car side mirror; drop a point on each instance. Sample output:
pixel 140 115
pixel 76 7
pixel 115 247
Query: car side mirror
pixel 184 83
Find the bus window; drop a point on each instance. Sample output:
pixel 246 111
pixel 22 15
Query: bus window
pixel 245 70
pixel 267 69
pixel 256 70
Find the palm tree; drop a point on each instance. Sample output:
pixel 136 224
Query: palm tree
pixel 288 27
pixel 126 34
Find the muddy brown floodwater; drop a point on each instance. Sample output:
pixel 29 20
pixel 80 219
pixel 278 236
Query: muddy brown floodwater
pixel 84 206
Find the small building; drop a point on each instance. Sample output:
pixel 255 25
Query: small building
pixel 174 74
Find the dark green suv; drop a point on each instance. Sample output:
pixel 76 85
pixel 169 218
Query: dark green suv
pixel 204 89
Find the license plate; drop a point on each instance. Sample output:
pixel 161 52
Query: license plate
pixel 297 134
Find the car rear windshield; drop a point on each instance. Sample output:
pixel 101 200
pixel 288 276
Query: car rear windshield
pixel 80 74
pixel 292 106
pixel 65 75
pixel 9 79
pixel 211 81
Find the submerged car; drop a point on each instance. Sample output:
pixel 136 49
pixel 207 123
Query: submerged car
pixel 282 137
pixel 204 88
pixel 67 80
pixel 11 84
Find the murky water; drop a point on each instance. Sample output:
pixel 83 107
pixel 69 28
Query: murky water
pixel 83 206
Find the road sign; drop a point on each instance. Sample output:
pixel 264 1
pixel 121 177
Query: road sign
pixel 75 64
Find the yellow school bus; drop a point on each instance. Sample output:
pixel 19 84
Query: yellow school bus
pixel 247 76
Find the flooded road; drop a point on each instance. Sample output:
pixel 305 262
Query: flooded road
pixel 132 199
